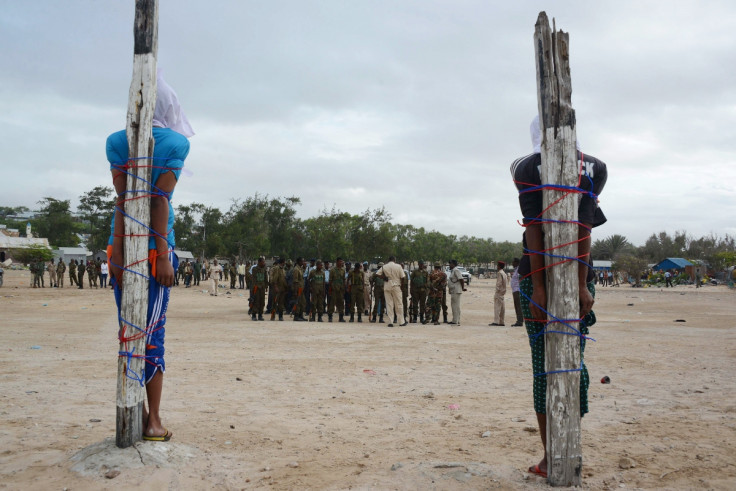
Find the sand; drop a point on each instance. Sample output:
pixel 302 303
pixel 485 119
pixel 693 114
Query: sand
pixel 285 405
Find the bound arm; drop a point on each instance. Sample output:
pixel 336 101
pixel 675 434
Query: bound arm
pixel 586 299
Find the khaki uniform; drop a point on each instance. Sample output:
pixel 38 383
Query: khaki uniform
pixel 73 273
pixel 80 275
pixel 52 274
pixel 379 301
pixel 278 286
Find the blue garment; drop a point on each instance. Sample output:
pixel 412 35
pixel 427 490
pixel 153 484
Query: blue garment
pixel 169 152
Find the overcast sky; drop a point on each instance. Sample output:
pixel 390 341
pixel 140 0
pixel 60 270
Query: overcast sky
pixel 418 106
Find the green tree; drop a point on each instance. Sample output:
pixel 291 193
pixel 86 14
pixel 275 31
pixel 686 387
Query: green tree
pixel 610 247
pixel 54 222
pixel 631 264
pixel 34 252
pixel 96 207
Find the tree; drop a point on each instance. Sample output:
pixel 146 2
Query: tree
pixel 6 211
pixel 96 207
pixel 54 222
pixel 632 265
pixel 610 247
pixel 32 253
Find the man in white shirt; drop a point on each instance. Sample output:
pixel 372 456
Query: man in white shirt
pixel 457 287
pixel 499 309
pixel 393 273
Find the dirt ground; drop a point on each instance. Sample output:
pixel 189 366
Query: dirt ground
pixel 285 405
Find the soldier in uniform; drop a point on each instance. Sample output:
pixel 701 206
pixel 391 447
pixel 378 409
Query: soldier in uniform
pixel 278 286
pixel 437 285
pixel 444 303
pixel 197 271
pixel 80 274
pixel 337 291
pixel 356 281
pixel 404 293
pixel 379 301
pixel 367 289
pixel 95 270
pixel 233 274
pixel 73 273
pixel 60 270
pixel 260 284
pixel 297 289
pixel 317 293
pixel 419 281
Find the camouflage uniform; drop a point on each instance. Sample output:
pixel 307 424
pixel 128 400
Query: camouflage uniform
pixel 419 280
pixel 437 284
pixel 337 293
pixel 60 270
pixel 80 275
pixel 73 273
pixel 317 293
pixel 379 301
pixel 297 289
pixel 405 294
pixel 260 284
pixel 278 285
pixel 233 275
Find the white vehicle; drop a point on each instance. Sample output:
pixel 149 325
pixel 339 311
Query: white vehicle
pixel 463 271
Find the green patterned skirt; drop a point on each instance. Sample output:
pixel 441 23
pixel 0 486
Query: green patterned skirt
pixel 537 346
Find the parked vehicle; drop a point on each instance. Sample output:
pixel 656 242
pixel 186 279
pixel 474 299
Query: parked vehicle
pixel 466 275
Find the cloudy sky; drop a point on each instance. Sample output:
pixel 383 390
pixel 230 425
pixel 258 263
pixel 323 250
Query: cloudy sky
pixel 418 106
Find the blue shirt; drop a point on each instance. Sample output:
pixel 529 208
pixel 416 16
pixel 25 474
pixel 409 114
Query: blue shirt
pixel 169 152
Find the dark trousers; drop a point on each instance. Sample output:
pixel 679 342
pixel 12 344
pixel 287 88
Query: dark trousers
pixel 517 307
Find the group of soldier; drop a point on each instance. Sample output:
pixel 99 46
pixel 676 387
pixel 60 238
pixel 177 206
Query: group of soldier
pixel 95 269
pixel 309 290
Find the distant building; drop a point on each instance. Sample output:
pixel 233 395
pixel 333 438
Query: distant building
pixel 9 243
pixel 66 254
pixel 602 265
pixel 672 263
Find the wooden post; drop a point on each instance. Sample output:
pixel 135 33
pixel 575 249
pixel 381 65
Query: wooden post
pixel 134 306
pixel 559 166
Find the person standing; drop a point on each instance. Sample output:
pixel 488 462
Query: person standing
pixel 60 270
pixel 51 267
pixel 188 274
pixel 104 271
pixel 214 274
pixel 356 282
pixel 668 279
pixel 457 287
pixel 499 307
pixel 419 281
pixel 260 285
pixel 337 291
pixel 404 292
pixel 379 300
pixel 171 131
pixel 197 272
pixel 297 288
pixel 515 293
pixel 393 273
pixel 317 287
pixel 437 283
pixel 278 286
pixel 73 273
pixel 80 274
pixel 241 275
pixel 525 173
pixel 367 289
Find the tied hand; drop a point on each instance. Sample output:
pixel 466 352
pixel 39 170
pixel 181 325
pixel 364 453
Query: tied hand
pixel 538 305
pixel 164 271
pixel 586 301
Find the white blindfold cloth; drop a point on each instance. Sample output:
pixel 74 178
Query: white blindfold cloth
pixel 535 130
pixel 168 112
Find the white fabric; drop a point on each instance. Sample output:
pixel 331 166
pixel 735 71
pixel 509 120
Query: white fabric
pixel 168 113
pixel 535 129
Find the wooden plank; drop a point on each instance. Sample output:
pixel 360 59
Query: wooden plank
pixel 134 305
pixel 559 166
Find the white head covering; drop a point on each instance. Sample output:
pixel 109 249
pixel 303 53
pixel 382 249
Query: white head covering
pixel 535 129
pixel 168 113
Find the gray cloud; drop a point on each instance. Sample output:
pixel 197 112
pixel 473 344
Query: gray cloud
pixel 416 106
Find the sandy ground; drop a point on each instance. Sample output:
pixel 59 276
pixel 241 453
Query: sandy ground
pixel 286 405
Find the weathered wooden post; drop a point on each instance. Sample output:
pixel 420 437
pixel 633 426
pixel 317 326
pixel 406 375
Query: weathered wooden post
pixel 134 306
pixel 562 351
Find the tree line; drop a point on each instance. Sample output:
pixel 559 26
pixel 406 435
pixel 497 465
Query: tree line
pixel 262 225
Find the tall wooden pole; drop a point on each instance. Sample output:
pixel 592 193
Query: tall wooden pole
pixel 559 166
pixel 134 306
